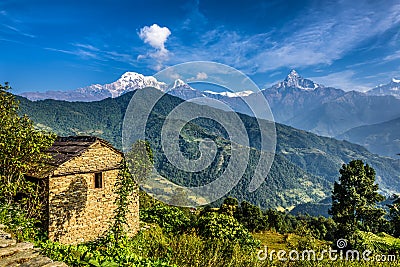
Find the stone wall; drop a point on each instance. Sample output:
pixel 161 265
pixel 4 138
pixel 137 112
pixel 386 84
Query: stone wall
pixel 79 212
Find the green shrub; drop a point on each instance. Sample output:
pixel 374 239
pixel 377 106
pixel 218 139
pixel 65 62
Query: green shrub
pixel 379 243
pixel 171 219
pixel 18 223
pixel 216 226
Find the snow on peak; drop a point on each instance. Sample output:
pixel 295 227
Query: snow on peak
pixel 295 80
pixel 293 73
pixel 135 80
pixel 392 88
pixel 179 83
pixel 129 81
pixel 231 94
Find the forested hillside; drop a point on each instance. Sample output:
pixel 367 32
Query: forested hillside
pixel 304 168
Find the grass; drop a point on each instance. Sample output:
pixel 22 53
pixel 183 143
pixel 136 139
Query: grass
pixel 287 242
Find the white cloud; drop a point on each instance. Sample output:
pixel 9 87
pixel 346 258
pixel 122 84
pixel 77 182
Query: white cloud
pixel 86 46
pixel 18 31
pixel 327 36
pixel 156 37
pixel 344 80
pixel 80 53
pixel 201 76
pixel 321 35
pixel 394 56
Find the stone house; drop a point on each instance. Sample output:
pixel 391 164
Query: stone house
pixel 78 189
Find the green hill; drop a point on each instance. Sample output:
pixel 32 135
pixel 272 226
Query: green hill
pixel 382 138
pixel 304 168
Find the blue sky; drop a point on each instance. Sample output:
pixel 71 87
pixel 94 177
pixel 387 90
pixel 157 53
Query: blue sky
pixel 60 45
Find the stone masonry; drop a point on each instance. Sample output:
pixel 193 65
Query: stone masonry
pixel 78 207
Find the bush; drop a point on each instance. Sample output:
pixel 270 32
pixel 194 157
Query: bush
pixel 171 219
pixel 154 248
pixel 216 226
pixel 17 223
pixel 379 243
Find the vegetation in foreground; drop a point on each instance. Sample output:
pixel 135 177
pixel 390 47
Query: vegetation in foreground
pixel 231 235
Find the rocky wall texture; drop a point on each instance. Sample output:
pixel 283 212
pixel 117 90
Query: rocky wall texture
pixel 79 212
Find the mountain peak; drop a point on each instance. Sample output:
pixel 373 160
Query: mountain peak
pixel 394 80
pixel 135 77
pixel 293 74
pixel 179 83
pixel 294 80
pixel 391 89
pixel 131 74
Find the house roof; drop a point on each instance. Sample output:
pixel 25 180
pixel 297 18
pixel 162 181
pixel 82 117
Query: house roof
pixel 66 148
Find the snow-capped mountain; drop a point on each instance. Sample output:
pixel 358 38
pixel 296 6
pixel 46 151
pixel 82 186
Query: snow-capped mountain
pixel 179 84
pixel 129 81
pixel 295 101
pixel 294 80
pixel 392 88
pixel 182 90
pixel 230 94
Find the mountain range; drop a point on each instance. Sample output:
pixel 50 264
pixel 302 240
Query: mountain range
pixel 296 101
pixel 303 171
pixel 392 88
pixel 129 81
pixel 382 138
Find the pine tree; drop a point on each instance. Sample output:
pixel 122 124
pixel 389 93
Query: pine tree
pixel 394 215
pixel 354 200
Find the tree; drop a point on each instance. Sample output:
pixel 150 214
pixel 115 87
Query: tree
pixel 229 206
pixel 394 214
pixel 21 152
pixel 354 200
pixel 251 217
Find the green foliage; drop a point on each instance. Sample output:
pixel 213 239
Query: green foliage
pixel 21 153
pixel 139 160
pixel 98 256
pixel 153 248
pixel 229 206
pixel 135 166
pixel 378 243
pixel 251 217
pixel 18 223
pixel 354 200
pixel 394 215
pixel 279 221
pixel 320 227
pixel 125 186
pixel 304 168
pixel 216 226
pixel 171 219
pixel 145 200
